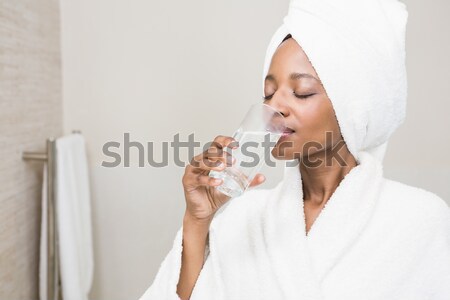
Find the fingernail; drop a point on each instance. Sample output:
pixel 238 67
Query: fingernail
pixel 221 165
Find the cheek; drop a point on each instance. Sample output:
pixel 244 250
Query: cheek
pixel 332 123
pixel 316 119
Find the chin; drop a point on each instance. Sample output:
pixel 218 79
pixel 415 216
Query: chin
pixel 284 153
pixel 288 148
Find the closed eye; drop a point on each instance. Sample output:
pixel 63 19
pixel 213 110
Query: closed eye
pixel 297 96
pixel 303 96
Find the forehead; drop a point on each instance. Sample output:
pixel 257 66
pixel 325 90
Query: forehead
pixel 288 58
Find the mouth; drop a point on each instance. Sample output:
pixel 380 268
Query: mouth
pixel 287 132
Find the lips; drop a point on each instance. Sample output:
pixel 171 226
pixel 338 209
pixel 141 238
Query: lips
pixel 287 132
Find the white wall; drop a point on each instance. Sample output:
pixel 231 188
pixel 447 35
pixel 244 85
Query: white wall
pixel 418 151
pixel 154 69
pixel 157 68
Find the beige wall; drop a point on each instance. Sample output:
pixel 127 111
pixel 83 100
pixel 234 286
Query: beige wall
pixel 153 69
pixel 30 111
pixel 418 151
pixel 157 68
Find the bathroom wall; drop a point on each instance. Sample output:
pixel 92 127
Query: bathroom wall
pixel 30 111
pixel 156 68
pixel 418 151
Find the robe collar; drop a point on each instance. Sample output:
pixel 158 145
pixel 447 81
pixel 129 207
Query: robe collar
pixel 335 230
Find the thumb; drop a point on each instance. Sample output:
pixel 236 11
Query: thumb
pixel 257 180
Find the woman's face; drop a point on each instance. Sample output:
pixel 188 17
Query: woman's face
pixel 294 89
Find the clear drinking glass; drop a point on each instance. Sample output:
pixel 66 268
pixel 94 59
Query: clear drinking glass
pixel 261 123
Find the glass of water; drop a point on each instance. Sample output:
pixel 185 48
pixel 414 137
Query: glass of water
pixel 258 133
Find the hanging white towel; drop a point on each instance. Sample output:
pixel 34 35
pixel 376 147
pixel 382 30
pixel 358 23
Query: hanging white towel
pixel 74 217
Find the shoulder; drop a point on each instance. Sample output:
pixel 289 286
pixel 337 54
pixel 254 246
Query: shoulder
pixel 414 202
pixel 413 196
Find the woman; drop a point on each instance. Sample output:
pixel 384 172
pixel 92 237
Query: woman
pixel 334 228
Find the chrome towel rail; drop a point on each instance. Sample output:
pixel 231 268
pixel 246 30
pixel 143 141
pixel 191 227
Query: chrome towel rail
pixel 54 290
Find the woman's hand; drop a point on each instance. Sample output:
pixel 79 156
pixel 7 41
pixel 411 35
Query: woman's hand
pixel 202 202
pixel 202 198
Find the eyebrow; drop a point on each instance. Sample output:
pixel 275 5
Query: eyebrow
pixel 294 76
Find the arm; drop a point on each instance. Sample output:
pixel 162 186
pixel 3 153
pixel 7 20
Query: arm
pixel 165 283
pixel 195 235
pixel 180 269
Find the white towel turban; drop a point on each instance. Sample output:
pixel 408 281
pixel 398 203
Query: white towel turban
pixel 357 48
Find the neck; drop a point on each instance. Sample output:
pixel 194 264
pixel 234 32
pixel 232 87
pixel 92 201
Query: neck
pixel 319 182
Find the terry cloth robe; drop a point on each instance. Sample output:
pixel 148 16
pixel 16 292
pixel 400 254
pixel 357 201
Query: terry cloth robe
pixel 375 239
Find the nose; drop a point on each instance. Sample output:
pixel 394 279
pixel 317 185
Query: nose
pixel 278 103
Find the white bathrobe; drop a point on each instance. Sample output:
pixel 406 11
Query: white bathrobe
pixel 374 239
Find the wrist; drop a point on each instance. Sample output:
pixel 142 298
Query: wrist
pixel 191 220
pixel 195 231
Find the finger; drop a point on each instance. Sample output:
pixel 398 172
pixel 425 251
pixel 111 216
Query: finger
pixel 217 154
pixel 257 180
pixel 193 181
pixel 206 180
pixel 225 141
pixel 201 163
